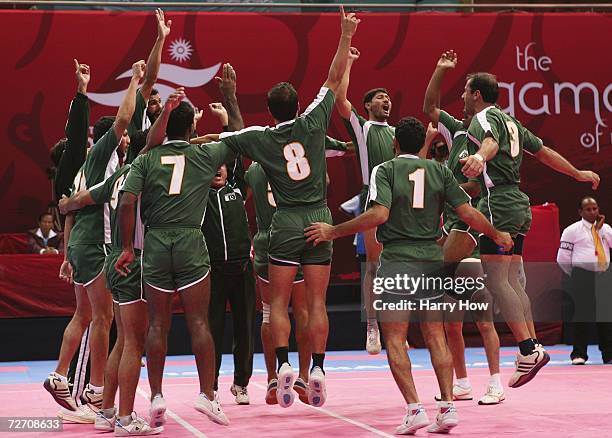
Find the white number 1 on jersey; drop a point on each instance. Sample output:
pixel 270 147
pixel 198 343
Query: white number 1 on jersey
pixel 418 189
pixel 178 168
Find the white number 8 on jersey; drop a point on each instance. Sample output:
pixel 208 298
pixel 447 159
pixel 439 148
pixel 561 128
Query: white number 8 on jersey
pixel 298 167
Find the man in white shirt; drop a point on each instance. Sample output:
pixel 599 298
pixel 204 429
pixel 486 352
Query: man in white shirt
pixel 584 254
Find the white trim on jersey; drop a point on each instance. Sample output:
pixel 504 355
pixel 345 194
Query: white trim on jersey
pixel 373 192
pixel 330 153
pixel 482 118
pixel 410 156
pixel 139 229
pixel 322 92
pixel 250 128
pixel 445 132
pixel 222 225
pixel 361 146
pixel 111 167
pixel 285 123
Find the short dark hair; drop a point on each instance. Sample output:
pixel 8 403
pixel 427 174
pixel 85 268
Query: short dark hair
pixel 283 101
pixel 584 198
pixel 367 98
pixel 138 140
pixel 56 152
pixel 180 121
pixel 410 134
pixel 101 127
pixel 154 91
pixel 486 83
pixel 42 215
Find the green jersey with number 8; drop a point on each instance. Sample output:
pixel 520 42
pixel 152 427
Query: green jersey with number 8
pixel 174 180
pixel 415 191
pixel 292 153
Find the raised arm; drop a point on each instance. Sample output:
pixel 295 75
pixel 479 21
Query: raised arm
pixel 557 162
pixel 126 109
pixel 227 86
pixel 338 66
pixel 154 61
pixel 157 133
pixel 431 104
pixel 342 103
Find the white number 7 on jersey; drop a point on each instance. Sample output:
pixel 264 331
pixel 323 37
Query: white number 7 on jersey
pixel 178 163
pixel 418 190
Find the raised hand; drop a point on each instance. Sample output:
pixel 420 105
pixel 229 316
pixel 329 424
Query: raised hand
pixel 353 54
pixel 219 110
pixel 227 81
pixel 197 116
pixel 174 99
pixel 431 132
pixel 348 22
pixel 138 69
pixel 163 27
pixel 448 60
pixel 83 75
pixel 589 176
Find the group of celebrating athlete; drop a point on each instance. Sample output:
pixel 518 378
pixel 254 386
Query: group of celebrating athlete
pixel 124 189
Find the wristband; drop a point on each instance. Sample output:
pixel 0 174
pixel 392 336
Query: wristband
pixel 479 157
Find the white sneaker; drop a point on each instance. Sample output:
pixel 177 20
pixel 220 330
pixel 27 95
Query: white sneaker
pixel 414 420
pixel 137 427
pixel 83 415
pixel 493 396
pixel 284 391
pixel 317 393
pixel 301 388
pixel 578 361
pixel 459 393
pixel 528 366
pixel 104 423
pixel 212 409
pixel 446 419
pixel 241 394
pixel 373 338
pixel 157 411
pixel 91 398
pixel 271 392
pixel 60 391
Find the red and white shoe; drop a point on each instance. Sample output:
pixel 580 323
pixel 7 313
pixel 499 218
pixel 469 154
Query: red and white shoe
pixel 528 366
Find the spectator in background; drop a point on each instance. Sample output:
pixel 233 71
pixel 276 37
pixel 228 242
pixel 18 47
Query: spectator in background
pixel 439 152
pixel 44 240
pixel 154 107
pixel 584 255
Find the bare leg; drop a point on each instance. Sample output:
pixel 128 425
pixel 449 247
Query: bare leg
pixel 134 320
pixel 102 318
pixel 159 306
pixel 373 250
pixel 266 336
pixel 112 364
pixel 281 284
pixel 441 358
pixel 74 330
pixel 395 334
pixel 299 306
pixel 516 277
pixel 316 278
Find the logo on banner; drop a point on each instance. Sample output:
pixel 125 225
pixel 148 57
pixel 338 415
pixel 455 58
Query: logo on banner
pixel 180 51
pixel 527 60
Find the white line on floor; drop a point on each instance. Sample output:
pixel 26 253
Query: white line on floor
pixel 175 417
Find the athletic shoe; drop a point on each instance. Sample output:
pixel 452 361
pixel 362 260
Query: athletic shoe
pixel 373 339
pixel 212 409
pixel 137 427
pixel 241 394
pixel 459 393
pixel 446 419
pixel 317 394
pixel 578 361
pixel 528 366
pixel 90 398
pixel 60 391
pixel 493 396
pixel 284 391
pixel 414 420
pixel 157 411
pixel 302 389
pixel 271 392
pixel 104 423
pixel 83 415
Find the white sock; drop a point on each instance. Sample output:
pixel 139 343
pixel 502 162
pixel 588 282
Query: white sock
pixel 495 380
pixel 109 413
pixel 414 406
pixel 64 379
pixel 445 404
pixel 464 383
pixel 96 389
pixel 125 421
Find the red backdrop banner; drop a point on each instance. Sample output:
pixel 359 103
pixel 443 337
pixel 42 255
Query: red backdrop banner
pixel 550 67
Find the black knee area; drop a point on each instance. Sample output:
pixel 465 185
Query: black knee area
pixel 489 247
pixel 324 263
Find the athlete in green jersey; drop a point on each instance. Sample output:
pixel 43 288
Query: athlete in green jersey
pixel 173 181
pixel 373 139
pixel 407 195
pixel 293 157
pixel 499 141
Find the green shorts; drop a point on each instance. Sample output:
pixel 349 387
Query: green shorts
pixel 508 209
pixel 174 258
pixel 125 290
pixel 453 223
pixel 87 261
pixel 287 241
pixel 261 242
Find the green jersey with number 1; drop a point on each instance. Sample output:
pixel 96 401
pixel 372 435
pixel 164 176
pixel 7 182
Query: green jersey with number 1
pixel 174 180
pixel 415 191
pixel 292 153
